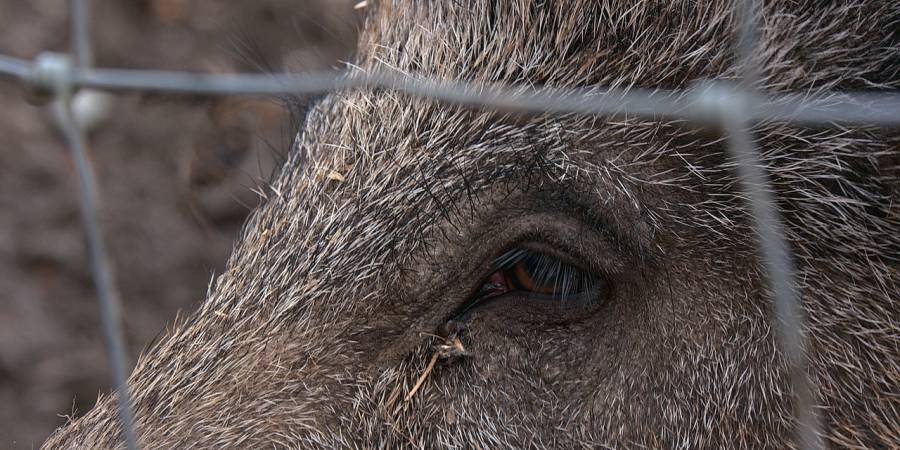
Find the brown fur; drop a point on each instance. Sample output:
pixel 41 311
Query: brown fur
pixel 318 328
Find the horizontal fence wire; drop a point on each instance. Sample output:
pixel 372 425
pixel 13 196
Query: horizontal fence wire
pixel 703 102
pixel 733 107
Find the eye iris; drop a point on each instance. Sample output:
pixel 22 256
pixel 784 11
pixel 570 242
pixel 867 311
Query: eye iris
pixel 524 276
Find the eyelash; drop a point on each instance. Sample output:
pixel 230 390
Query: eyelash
pixel 540 273
pixel 537 276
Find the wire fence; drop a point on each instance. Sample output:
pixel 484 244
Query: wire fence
pixel 734 107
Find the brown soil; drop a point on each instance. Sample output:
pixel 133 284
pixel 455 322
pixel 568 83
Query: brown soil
pixel 176 176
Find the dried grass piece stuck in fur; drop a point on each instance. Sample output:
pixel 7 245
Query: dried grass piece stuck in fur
pixel 422 377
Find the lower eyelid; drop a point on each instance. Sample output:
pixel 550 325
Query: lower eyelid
pixel 581 297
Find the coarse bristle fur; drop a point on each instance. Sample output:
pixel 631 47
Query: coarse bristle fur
pixel 323 321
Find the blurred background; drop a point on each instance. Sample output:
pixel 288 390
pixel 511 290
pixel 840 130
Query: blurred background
pixel 176 175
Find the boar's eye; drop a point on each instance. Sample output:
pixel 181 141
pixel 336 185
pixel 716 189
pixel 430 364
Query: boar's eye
pixel 536 276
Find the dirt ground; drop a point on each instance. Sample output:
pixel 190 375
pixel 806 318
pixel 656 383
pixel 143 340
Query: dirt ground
pixel 176 176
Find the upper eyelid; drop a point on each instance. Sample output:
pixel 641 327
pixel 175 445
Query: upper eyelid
pixel 593 219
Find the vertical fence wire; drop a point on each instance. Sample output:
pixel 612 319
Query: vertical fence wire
pixel 89 197
pixel 80 20
pixel 101 269
pixel 773 245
